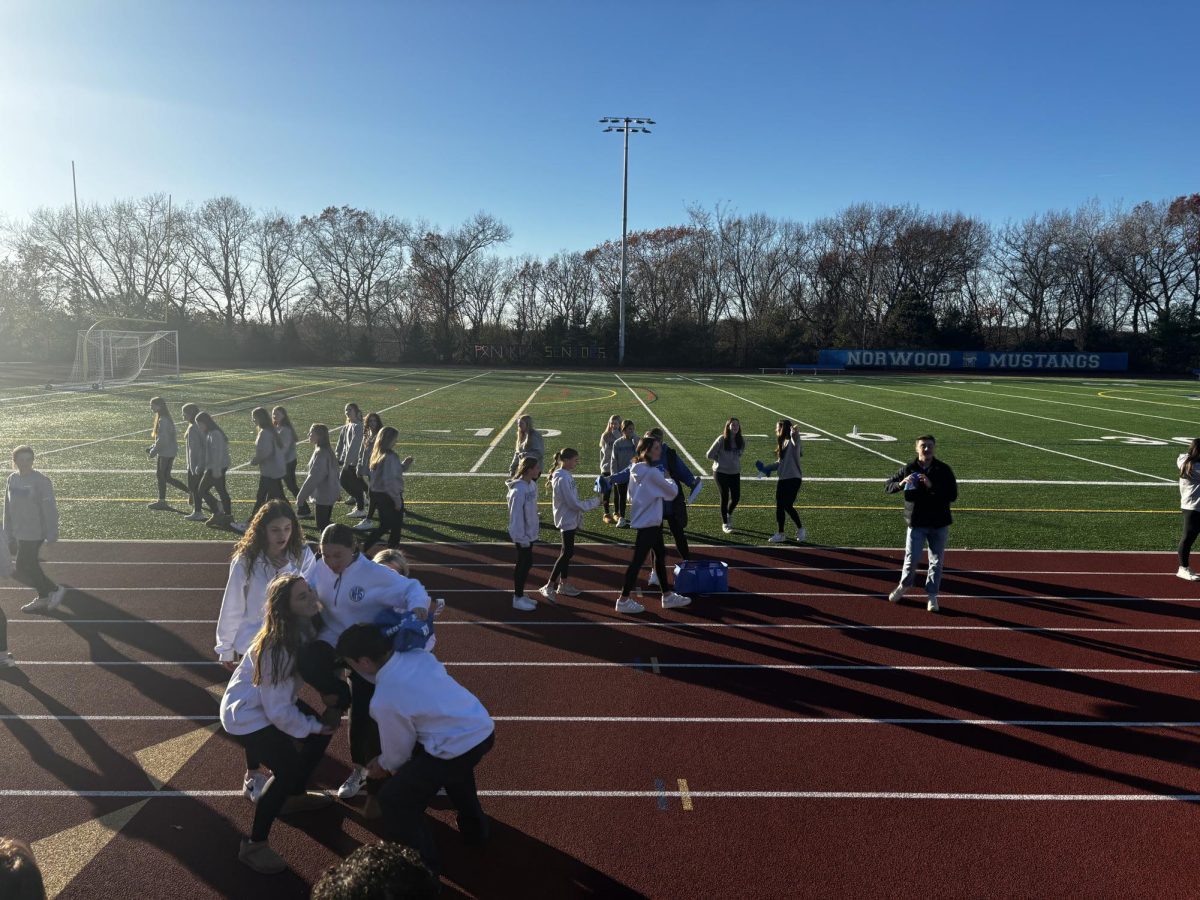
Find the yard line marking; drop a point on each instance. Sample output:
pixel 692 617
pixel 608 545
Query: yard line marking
pixel 503 432
pixel 1117 412
pixel 675 442
pixel 925 418
pixel 427 393
pixel 809 425
pixel 182 382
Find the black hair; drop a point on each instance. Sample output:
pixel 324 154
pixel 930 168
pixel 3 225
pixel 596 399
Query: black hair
pixel 379 871
pixel 339 535
pixel 360 641
pixel 20 877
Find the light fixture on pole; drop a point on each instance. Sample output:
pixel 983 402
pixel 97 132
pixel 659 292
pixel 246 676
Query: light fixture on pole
pixel 625 125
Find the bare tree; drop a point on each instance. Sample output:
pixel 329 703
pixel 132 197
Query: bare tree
pixel 277 244
pixel 222 235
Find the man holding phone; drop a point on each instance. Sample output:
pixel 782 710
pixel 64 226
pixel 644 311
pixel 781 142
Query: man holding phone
pixel 929 488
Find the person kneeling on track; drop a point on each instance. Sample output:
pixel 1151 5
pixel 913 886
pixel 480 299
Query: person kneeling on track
pixel 260 709
pixel 432 731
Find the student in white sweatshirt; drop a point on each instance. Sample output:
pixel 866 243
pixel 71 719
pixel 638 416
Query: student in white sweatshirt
pixel 610 435
pixel 193 439
pixel 649 486
pixel 268 456
pixel 163 451
pixel 432 733
pixel 273 545
pixel 349 446
pixel 322 484
pixel 1188 465
pixel 523 526
pixel 568 515
pixel 261 711
pixel 31 519
pixel 287 434
pixel 216 464
pixel 387 488
pixel 353 590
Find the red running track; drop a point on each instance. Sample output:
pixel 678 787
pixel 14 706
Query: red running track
pixel 1040 737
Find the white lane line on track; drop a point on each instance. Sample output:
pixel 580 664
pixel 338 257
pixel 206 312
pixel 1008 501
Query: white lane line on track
pixel 502 433
pixel 675 442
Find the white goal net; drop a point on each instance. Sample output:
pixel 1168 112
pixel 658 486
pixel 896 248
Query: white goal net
pixel 108 358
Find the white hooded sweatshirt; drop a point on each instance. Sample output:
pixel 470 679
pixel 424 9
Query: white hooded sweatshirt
pixel 568 508
pixel 649 486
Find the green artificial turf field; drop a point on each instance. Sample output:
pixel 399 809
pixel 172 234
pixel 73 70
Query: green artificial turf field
pixel 1042 463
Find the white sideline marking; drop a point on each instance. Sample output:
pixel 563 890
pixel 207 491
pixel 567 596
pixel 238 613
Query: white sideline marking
pixel 859 444
pixel 661 424
pixel 504 430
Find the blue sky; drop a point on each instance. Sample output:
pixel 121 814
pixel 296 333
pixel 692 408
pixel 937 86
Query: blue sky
pixel 438 109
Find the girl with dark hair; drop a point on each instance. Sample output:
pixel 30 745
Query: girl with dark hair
pixel 787 463
pixel 322 483
pixel 349 446
pixel 1189 501
pixel 372 425
pixel 611 434
pixel 523 526
pixel 268 456
pixel 261 711
pixel 568 515
pixel 287 434
pixel 164 450
pixel 216 464
pixel 726 456
pixel 387 488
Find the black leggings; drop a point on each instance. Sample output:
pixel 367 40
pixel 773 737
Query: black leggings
pixel 27 568
pixel 195 479
pixel 324 515
pixel 318 664
pixel 521 572
pixel 731 493
pixel 677 522
pixel 163 470
pixel 292 763
pixel 607 492
pixel 3 627
pixel 622 501
pixel 563 563
pixel 649 540
pixel 289 478
pixel 391 520
pixel 268 489
pixel 786 491
pixel 1191 530
pixel 353 485
pixel 207 484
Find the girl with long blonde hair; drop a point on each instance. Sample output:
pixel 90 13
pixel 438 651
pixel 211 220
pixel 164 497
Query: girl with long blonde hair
pixel 164 450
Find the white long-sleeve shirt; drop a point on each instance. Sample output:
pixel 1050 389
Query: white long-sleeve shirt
pixel 245 601
pixel 388 478
pixel 648 488
pixel 288 436
pixel 194 441
pixel 1189 486
pixel 567 507
pixel 363 590
pixel 216 452
pixel 322 483
pixel 416 701
pixel 30 510
pixel 349 444
pixel 268 454
pixel 247 707
pixel 522 511
pixel 166 444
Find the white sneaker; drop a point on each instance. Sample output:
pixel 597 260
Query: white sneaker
pixel 674 600
pixel 1187 574
pixel 6 660
pixel 629 605
pixel 932 605
pixel 239 526
pixel 777 538
pixel 37 604
pixel 196 517
pixel 897 593
pixel 652 581
pixel 727 528
pixel 55 598
pixel 568 590
pixel 364 525
pixel 352 785
pixel 801 534
pixel 524 603
pixel 356 514
pixel 253 786
pixel 547 590
pixel 622 522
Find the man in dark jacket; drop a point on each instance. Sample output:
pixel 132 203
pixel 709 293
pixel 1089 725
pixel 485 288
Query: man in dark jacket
pixel 929 488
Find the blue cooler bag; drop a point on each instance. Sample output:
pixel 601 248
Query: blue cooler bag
pixel 695 576
pixel 406 631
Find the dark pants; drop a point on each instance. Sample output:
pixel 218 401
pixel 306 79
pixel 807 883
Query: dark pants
pixel 521 572
pixel 649 540
pixel 268 489
pixel 318 665
pixel 407 794
pixel 677 522
pixel 391 520
pixel 28 568
pixel 563 563
pixel 1191 530
pixel 200 494
pixel 292 763
pixel 372 498
pixel 786 491
pixel 207 484
pixel 3 630
pixel 353 485
pixel 162 469
pixel 622 501
pixel 607 493
pixel 731 493
pixel 289 478
pixel 324 515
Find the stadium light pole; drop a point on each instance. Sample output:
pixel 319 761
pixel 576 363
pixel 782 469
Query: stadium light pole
pixel 625 125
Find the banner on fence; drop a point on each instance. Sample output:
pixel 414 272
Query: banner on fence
pixel 975 360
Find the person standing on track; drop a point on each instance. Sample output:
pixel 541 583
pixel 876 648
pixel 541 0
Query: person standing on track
pixel 529 444
pixel 372 425
pixel 649 488
pixel 349 446
pixel 287 434
pixel 929 488
pixel 611 435
pixel 523 527
pixel 624 448
pixel 193 441
pixel 568 515
pixel 353 590
pixel 261 711
pixel 1189 501
pixel 216 464
pixel 31 519
pixel 273 545
pixel 787 462
pixel 163 451
pixel 387 487
pixel 726 455
pixel 322 483
pixel 432 734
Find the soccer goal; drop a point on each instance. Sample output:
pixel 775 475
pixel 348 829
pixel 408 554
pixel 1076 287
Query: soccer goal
pixel 110 358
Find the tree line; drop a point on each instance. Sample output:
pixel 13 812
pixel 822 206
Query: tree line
pixel 723 287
